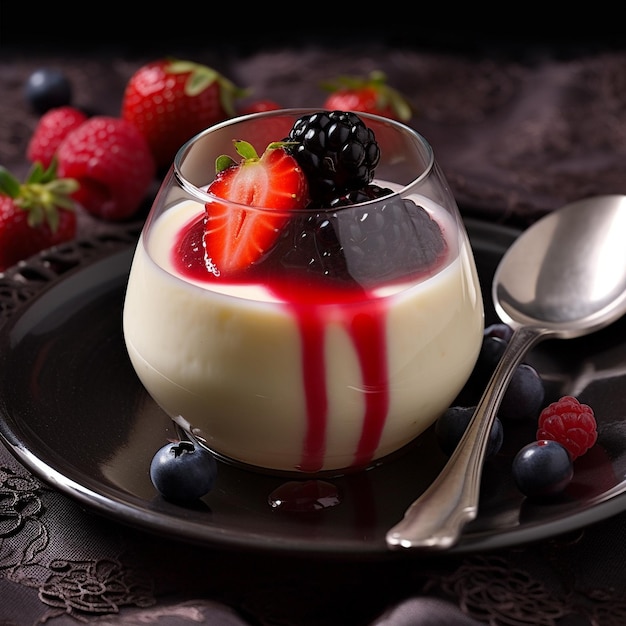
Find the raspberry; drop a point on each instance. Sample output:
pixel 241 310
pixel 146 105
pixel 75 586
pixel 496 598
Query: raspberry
pixel 570 423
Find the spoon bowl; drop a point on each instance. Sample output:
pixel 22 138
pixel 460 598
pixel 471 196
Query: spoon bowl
pixel 564 277
pixel 565 273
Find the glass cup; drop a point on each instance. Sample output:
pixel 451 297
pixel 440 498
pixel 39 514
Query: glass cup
pixel 341 345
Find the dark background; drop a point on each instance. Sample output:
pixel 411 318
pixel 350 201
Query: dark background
pixel 517 30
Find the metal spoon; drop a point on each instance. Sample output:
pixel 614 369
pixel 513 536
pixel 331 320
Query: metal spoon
pixel 564 277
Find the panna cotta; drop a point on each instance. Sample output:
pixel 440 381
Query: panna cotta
pixel 271 378
pixel 289 369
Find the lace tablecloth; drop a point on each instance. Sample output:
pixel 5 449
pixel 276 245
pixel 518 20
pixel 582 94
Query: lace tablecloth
pixel 516 140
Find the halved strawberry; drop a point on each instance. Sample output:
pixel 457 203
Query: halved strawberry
pixel 234 237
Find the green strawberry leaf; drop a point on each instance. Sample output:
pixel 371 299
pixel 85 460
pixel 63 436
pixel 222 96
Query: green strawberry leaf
pixel 41 195
pixel 9 185
pixel 223 162
pixel 201 77
pixel 377 80
pixel 246 150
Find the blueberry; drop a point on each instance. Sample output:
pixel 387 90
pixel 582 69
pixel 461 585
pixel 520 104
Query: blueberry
pixel 182 471
pixel 499 330
pixel 450 427
pixel 47 89
pixel 495 339
pixel 542 469
pixel 491 351
pixel 524 396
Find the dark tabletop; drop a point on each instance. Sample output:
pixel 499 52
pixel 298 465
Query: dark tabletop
pixel 519 130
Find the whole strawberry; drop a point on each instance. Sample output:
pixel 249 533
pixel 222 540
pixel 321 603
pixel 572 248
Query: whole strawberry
pixel 368 95
pixel 112 163
pixel 34 215
pixel 51 129
pixel 258 106
pixel 170 101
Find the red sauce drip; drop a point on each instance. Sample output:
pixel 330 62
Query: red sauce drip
pixel 368 334
pixel 314 375
pixel 304 496
pixel 362 318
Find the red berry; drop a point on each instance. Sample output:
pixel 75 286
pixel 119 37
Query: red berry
pixel 369 94
pixel 570 423
pixel 169 101
pixel 112 163
pixel 51 129
pixel 259 106
pixel 34 215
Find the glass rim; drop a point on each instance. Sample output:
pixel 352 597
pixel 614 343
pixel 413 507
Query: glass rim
pixel 201 195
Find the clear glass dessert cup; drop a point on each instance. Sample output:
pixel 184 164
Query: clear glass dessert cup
pixel 344 342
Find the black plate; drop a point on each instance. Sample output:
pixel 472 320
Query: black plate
pixel 76 416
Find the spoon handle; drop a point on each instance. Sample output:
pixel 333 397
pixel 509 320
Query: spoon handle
pixel 437 517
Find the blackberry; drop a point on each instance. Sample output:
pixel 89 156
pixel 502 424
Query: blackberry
pixel 388 240
pixel 367 193
pixel 309 244
pixel 337 152
pixel 368 244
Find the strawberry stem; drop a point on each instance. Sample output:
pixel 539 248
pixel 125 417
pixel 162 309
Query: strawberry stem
pixel 41 195
pixel 201 77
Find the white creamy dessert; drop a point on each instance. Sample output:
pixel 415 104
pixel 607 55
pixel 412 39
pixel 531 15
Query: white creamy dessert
pixel 300 386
